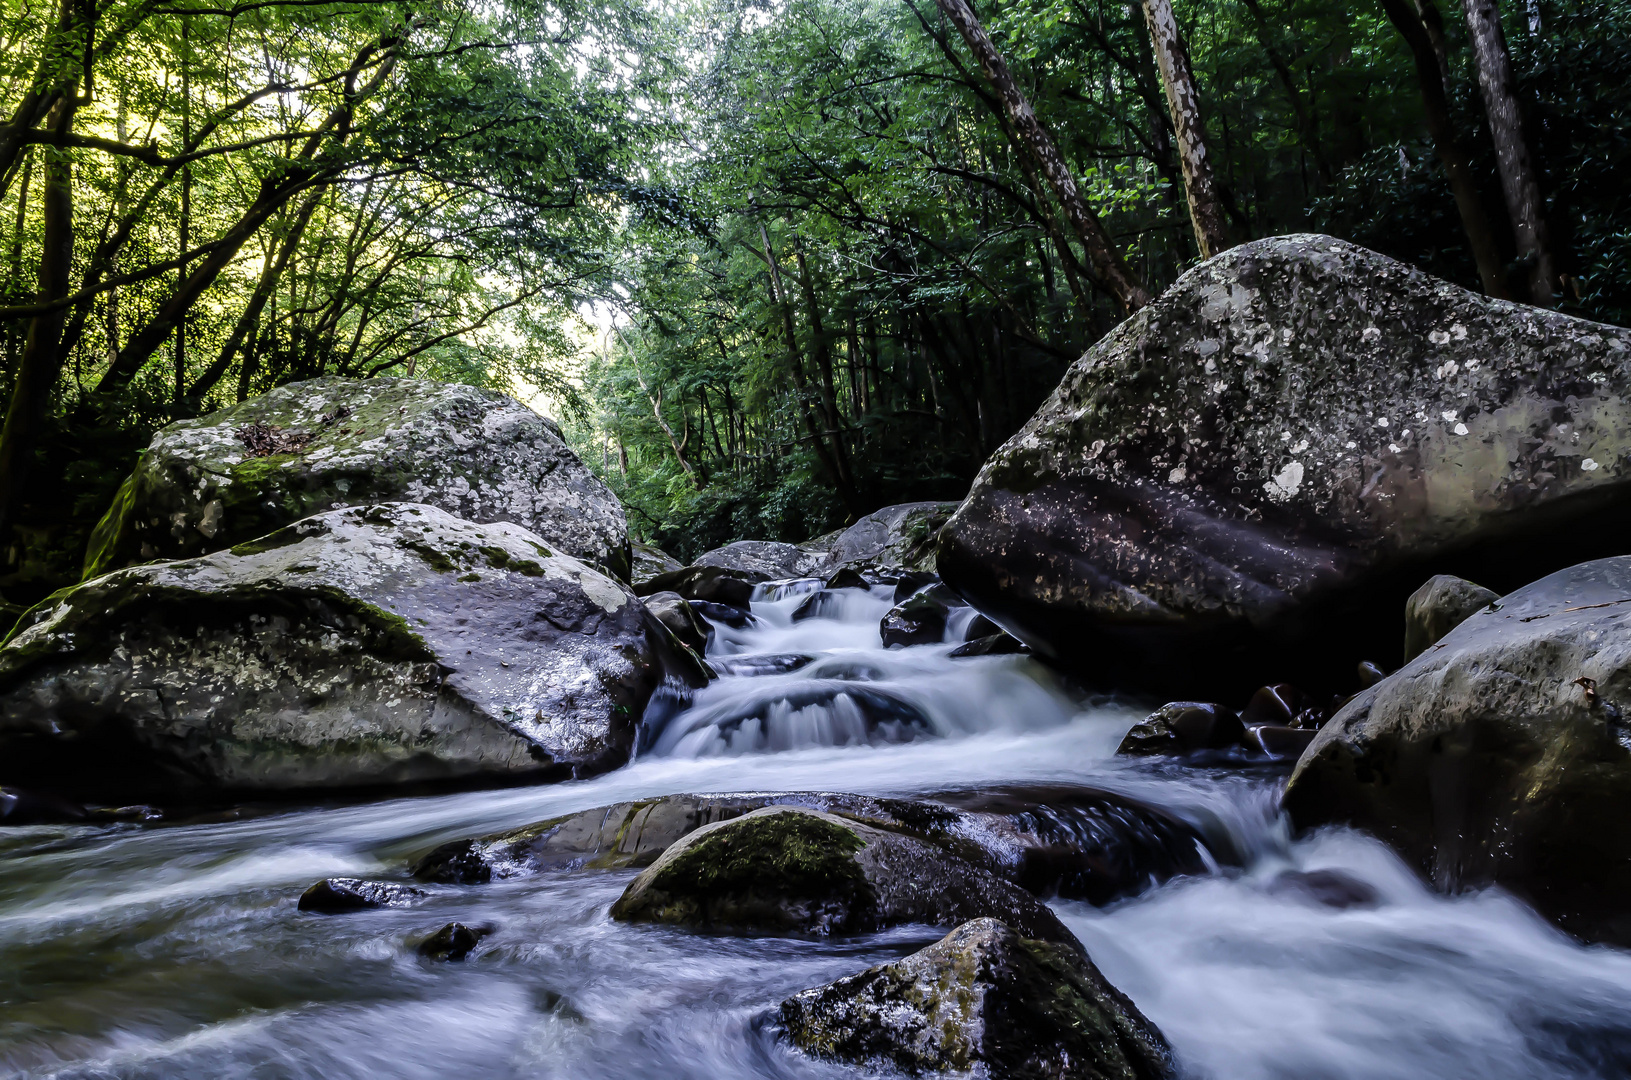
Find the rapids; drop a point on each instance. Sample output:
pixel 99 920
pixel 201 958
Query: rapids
pixel 177 951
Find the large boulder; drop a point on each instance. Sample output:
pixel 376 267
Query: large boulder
pixel 987 1001
pixel 1443 603
pixel 1080 843
pixel 898 537
pixel 1501 754
pixel 727 575
pixel 789 869
pixel 206 484
pixel 1244 480
pixel 358 647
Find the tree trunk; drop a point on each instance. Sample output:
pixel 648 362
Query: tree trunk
pixel 1112 272
pixel 1518 181
pixel 1205 211
pixel 41 364
pixel 1480 237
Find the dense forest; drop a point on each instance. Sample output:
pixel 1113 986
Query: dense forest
pixel 771 264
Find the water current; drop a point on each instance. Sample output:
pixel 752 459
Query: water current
pixel 177 951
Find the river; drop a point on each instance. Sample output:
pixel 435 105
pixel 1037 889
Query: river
pixel 177 951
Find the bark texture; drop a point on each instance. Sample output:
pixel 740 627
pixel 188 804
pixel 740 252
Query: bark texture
pixel 1183 100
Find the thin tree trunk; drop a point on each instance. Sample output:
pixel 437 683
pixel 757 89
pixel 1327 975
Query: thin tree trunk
pixel 1107 264
pixel 184 231
pixel 1205 211
pixel 14 278
pixel 1436 106
pixel 41 365
pixel 1512 159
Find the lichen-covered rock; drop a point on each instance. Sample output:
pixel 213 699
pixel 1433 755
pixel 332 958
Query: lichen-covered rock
pixel 1443 603
pixel 987 1001
pixel 335 896
pixel 727 575
pixel 1502 754
pixel 206 484
pixel 895 538
pixel 364 646
pixel 1080 843
pixel 1249 475
pixel 647 561
pixel 786 869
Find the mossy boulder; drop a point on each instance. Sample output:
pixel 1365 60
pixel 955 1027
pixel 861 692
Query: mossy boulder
pixel 786 869
pixel 986 1001
pixel 1246 479
pixel 359 647
pixel 207 484
pixel 1501 754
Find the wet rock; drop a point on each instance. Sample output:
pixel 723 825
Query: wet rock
pixel 707 584
pixel 338 895
pixel 675 612
pixel 1276 741
pixel 1183 727
pixel 1283 705
pixel 999 644
pixel 760 663
pixel 848 578
pixel 793 870
pixel 983 1000
pixel 1439 606
pixel 1370 674
pixel 1502 754
pixel 1328 888
pixel 453 942
pixel 234 475
pixel 1249 475
pixel 360 647
pixel 912 582
pixel 648 561
pixel 725 614
pixel 920 619
pixel 774 560
pixel 1079 843
pixel 822 604
pixel 21 807
pixel 900 537
pixel 980 627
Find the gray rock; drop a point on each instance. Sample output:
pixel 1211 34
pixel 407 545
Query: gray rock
pixel 1502 754
pixel 920 619
pixel 1439 606
pixel 728 574
pixel 1247 477
pixel 207 484
pixel 674 612
pixel 987 1001
pixel 1080 843
pixel 648 561
pixel 337 895
pixel 787 869
pixel 895 538
pixel 774 560
pixel 359 647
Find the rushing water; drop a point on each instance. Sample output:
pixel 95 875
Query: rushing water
pixel 178 951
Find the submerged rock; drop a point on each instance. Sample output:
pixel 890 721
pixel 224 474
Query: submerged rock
pixel 1502 754
pixel 1078 842
pixel 898 537
pixel 453 942
pixel 1250 474
pixel 207 484
pixel 788 869
pixel 359 647
pixel 920 619
pixel 338 895
pixel 1439 606
pixel 982 998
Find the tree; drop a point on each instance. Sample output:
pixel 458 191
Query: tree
pixel 1205 210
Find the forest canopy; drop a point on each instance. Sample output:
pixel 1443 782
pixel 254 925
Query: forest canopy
pixel 774 264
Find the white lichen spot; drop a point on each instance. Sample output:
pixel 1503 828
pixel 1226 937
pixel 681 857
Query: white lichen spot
pixel 601 592
pixel 1393 446
pixel 1449 416
pixel 1447 369
pixel 1178 475
pixel 1459 332
pixel 1095 450
pixel 1220 386
pixel 1589 465
pixel 1370 334
pixel 1439 337
pixel 1461 429
pixel 1285 436
pixel 1299 446
pixel 1381 421
pixel 1284 484
pixel 1351 445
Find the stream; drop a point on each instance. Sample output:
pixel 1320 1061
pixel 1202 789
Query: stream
pixel 177 951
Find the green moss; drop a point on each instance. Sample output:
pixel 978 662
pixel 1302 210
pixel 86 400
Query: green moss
pixel 436 560
pixel 787 853
pixel 527 567
pixel 101 555
pixel 471 576
pixel 282 538
pixel 497 557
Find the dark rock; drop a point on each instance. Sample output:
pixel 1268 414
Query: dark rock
pixel 1079 843
pixel 360 647
pixel 1330 888
pixel 822 604
pixel 21 807
pixel 1439 606
pixel 789 869
pixel 675 612
pixel 708 584
pixel 647 562
pixel 1182 727
pixel 1275 741
pixel 337 895
pixel 1502 754
pixel 453 942
pixel 776 561
pixel 994 645
pixel 725 614
pixel 920 619
pixel 1369 675
pixel 980 627
pixel 1250 474
pixel 1283 705
pixel 308 447
pixel 728 575
pixel 848 578
pixel 913 582
pixel 983 1000
pixel 898 537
